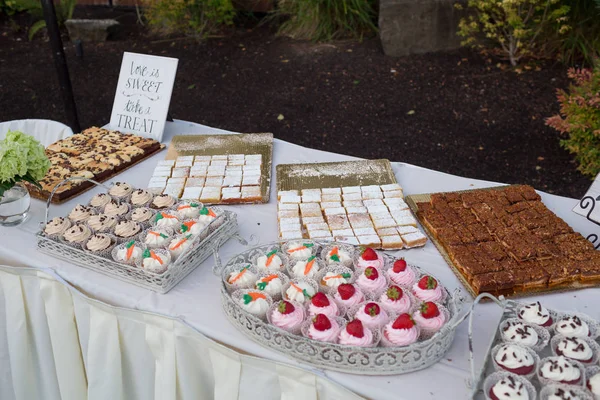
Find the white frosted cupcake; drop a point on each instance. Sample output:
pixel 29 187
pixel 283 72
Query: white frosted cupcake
pixel 179 245
pixel 142 215
pixel 241 276
pixel 299 290
pixel 81 213
pixel 192 227
pixel 128 253
pixel 56 227
pixel 162 202
pixel 115 209
pixel 503 385
pixel 272 283
pixel 100 244
pixel 167 219
pixel 156 238
pixel 100 200
pixel 308 268
pixel 120 190
pixel 102 223
pixel 253 302
pixel 155 261
pixel 77 235
pixel 338 255
pixel 189 209
pixel 272 261
pixel 127 230
pixel 299 250
pixel 140 198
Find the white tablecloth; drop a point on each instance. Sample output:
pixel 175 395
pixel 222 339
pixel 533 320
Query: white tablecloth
pixel 188 300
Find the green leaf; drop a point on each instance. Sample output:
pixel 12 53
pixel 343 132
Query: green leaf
pixel 35 28
pixel 193 85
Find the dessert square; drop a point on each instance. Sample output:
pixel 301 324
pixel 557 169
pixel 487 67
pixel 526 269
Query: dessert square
pixel 211 194
pixel 289 226
pixel 218 163
pixel 329 191
pixel 180 172
pixel 330 205
pixel 370 188
pixel 216 181
pixel 157 185
pixel 354 196
pixel 253 157
pixel 369 240
pixel 184 159
pixel 194 182
pixel 162 171
pixel 353 203
pixel 187 163
pixel 205 159
pixel 290 198
pixel 311 197
pixel 205 164
pixel 391 187
pixel 165 163
pixel 392 242
pixel 312 220
pixel 287 214
pixel 309 210
pixel 335 211
pixel 338 221
pixel 251 193
pixel 342 232
pixel 331 198
pixel 159 180
pixel 319 234
pixel 232 157
pixel 176 181
pixel 322 226
pixel 347 239
pixel 372 195
pixel 230 194
pixel 403 230
pixel 198 171
pixel 377 209
pixel 387 231
pixel 287 193
pixel 395 203
pixel 351 189
pixel 231 169
pixel 251 180
pixel 384 223
pixel 364 231
pixel 191 193
pixel 231 180
pixel 174 190
pixel 373 202
pixel 360 221
pixel 308 192
pixel 251 169
pixel 414 239
pixel 216 170
pixel 290 235
pixel 288 206
pixel 356 210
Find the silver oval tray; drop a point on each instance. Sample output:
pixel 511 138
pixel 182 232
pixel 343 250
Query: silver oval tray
pixel 350 359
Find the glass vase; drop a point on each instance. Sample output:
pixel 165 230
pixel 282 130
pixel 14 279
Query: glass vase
pixel 14 205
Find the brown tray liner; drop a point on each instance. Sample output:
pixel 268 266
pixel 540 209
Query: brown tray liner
pixel 414 199
pixel 36 193
pixel 242 143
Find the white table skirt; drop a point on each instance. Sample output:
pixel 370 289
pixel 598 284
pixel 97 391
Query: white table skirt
pixel 201 287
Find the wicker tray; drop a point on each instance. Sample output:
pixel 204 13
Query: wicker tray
pixel 354 360
pixel 413 200
pixel 206 244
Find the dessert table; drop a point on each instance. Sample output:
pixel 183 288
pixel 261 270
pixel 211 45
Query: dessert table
pixel 196 300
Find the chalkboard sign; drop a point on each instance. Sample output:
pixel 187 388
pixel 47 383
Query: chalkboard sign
pixel 143 94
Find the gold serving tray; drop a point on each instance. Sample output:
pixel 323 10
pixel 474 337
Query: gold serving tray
pixel 243 143
pixel 413 200
pixel 334 174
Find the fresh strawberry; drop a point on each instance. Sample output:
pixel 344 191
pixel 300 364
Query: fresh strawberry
pixel 372 309
pixel 285 307
pixel 404 321
pixel 429 310
pixel 369 254
pixel 355 328
pixel 321 322
pixel 399 265
pixel 346 290
pixel 320 300
pixel 394 293
pixel 371 273
pixel 427 282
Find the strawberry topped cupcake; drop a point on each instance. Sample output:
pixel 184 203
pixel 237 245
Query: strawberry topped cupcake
pixel 322 328
pixel 429 317
pixel 166 219
pixel 321 303
pixel 271 262
pixel 355 334
pixel 348 295
pixel 372 315
pixel 287 316
pixel 370 258
pixel 428 289
pixel 299 250
pixel 189 210
pixel 338 255
pixel 305 268
pixel 401 273
pixel 535 313
pixel 242 277
pixel 372 281
pixel 401 332
pixel 395 300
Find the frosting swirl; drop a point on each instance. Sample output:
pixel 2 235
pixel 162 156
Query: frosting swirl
pixel 405 278
pixel 98 242
pixel 166 220
pixel 299 250
pixel 290 321
pixel 346 338
pixel 127 229
pixel 140 197
pixel 520 332
pixel 362 263
pixel 297 292
pixel 80 213
pixel 330 310
pixel 100 200
pixel 338 255
pixel 242 278
pixel 564 394
pixel 370 317
pixel 179 245
pixel 400 305
pixel 141 214
pixel 575 349
pixel 255 303
pixel 270 262
pixel 101 222
pixel 163 201
pixel 401 337
pixel 572 326
pixel 372 285
pixel 435 294
pixel 333 279
pixel 535 314
pixel 116 209
pixel 509 389
pixel 306 269
pixel 559 369
pixel 356 298
pixel 120 189
pixel 128 254
pixel 156 238
pixel 271 284
pixel 191 210
pixel 594 384
pixel 77 233
pixel 433 324
pixel 329 335
pixel 514 358
pixel 155 263
pixel 57 226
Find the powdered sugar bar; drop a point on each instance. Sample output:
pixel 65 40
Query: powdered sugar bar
pixel 371 215
pixel 216 179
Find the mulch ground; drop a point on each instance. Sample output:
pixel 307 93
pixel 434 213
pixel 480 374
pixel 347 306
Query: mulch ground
pixel 455 112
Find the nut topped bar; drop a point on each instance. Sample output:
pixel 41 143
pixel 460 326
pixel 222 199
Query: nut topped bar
pixel 95 153
pixel 505 241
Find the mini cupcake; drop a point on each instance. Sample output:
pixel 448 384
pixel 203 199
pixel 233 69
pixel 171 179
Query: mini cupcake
pixel 400 332
pixel 142 215
pixel 271 284
pixel 304 268
pixel 321 303
pixel 299 251
pixel 322 328
pixel 100 244
pixel 564 392
pixel 77 234
pixel 338 255
pixel 348 295
pixel 515 331
pixel 242 277
pixel 116 209
pixel 372 281
pixel 253 302
pixel 372 315
pixel 287 316
pixel 355 334
pixel 57 226
pixel 180 245
pixel 81 213
pixel 102 222
pixel 515 359
pixel 166 219
pixel 272 261
pixel 332 277
pixel 163 201
pixel 207 216
pixel 155 261
pixel 396 300
pixel 593 381
pixel 401 273
pixel 430 317
pixel 100 200
pixel 155 238
pixel 428 289
pixel 369 258
pixel 583 350
pixel 128 253
pixel 189 210
pixel 126 230
pixel 573 326
pixel 192 226
pixel 120 190
pixel 299 290
pixel 535 314
pixel 559 370
pixel 140 198
pixel 506 386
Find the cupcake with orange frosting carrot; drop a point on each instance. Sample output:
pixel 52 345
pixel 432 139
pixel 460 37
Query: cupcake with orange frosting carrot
pixel 128 253
pixel 308 268
pixel 253 301
pixel 242 276
pixel 179 245
pixel 299 250
pixel 155 238
pixel 155 261
pixel 271 283
pixel 167 219
pixel 191 227
pixel 338 254
pixel 272 261
pixel 189 209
